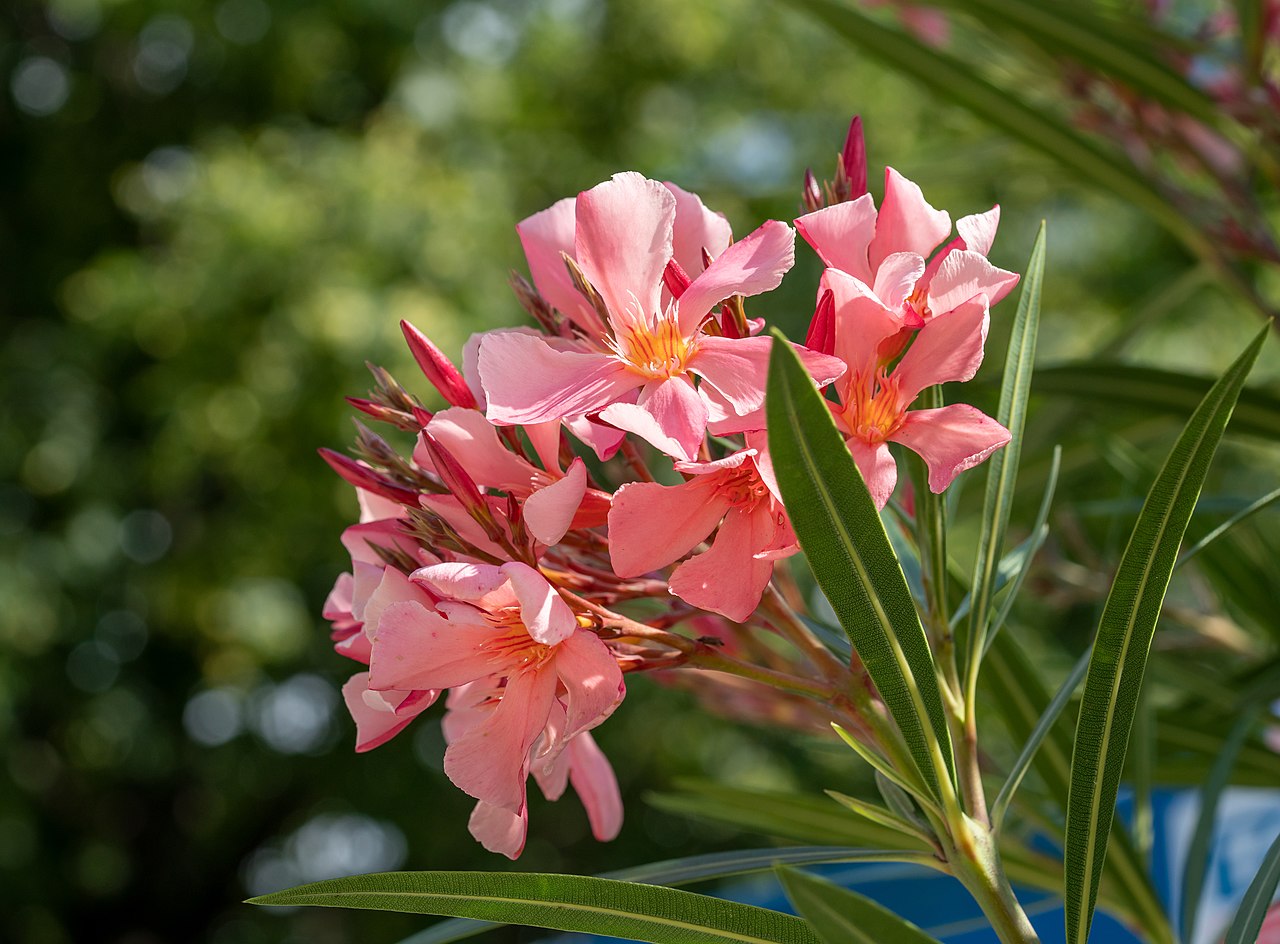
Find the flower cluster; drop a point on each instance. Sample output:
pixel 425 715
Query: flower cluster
pixel 618 453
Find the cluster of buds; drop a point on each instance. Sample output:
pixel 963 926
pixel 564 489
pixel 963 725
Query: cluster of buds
pixel 618 454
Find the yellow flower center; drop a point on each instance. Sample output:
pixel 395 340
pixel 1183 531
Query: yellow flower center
pixel 872 410
pixel 658 351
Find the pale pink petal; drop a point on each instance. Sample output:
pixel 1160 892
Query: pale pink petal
pixel 471 363
pixel 499 830
pixel 878 469
pixel 897 276
pixel 337 606
pixel 473 441
pixel 549 763
pixel 376 726
pixel 527 381
pixel 734 372
pixel 545 236
pixel 651 525
pixel 376 508
pixel 669 414
pixel 946 350
pixel 841 233
pixel 360 539
pixel 549 511
pixel 728 579
pixel 591 676
pixel 460 580
pixel 750 266
pixel 979 230
pixel 542 610
pixel 545 438
pixel 624 242
pixel 906 222
pixel 597 787
pixel 395 587
pixel 418 649
pixel 490 761
pixel 950 440
pixel 603 440
pixel 735 460
pixel 365 580
pixel 758 441
pixel 862 320
pixel 964 275
pixel 457 517
pixel 696 229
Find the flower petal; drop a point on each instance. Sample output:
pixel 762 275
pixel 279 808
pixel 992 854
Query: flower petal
pixel 979 230
pixel 950 440
pixel 473 441
pixel 750 266
pixel 527 381
pixel 669 414
pixel 946 350
pixel 460 580
pixel 862 320
pixel 878 469
pixel 696 229
pixel 966 274
pixel 499 830
pixel 897 276
pixel 651 525
pixel 841 233
pixel 623 243
pixel 590 675
pixel 542 610
pixel 549 512
pixel 377 725
pixel 594 782
pixel 729 579
pixel 419 649
pixel 544 237
pixel 906 222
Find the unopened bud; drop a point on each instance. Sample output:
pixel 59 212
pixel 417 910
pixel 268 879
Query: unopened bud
pixel 675 278
pixel 534 304
pixel 361 476
pixel 386 414
pixel 461 486
pixel 438 369
pixel 822 329
pixel 853 160
pixel 733 318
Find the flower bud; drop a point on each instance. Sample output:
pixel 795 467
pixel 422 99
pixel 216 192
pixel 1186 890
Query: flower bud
pixel 438 369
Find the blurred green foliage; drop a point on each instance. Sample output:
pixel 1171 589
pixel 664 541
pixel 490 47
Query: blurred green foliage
pixel 213 214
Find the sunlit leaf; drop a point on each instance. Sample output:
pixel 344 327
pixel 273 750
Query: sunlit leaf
pixel 840 916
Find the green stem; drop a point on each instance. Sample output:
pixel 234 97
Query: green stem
pixel 975 861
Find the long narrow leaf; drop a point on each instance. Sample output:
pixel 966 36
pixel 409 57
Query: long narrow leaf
pixel 1227 525
pixel 675 872
pixel 1249 916
pixel 840 916
pixel 1002 470
pixel 649 913
pixel 1197 861
pixel 852 560
pixel 1124 639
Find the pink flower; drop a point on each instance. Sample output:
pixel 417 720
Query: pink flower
pixel 636 368
pixel 553 762
pixel 887 251
pixel 874 399
pixel 652 525
pixel 507 630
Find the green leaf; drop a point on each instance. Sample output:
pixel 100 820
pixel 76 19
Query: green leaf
pixel 840 916
pixel 786 816
pixel 1002 469
pixel 1226 526
pixel 1197 860
pixel 647 913
pixel 1124 638
pixel 1249 916
pixel 876 813
pixel 1156 392
pixel 851 558
pixel 683 871
pixel 1046 723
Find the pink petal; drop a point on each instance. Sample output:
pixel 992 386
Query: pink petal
pixel 734 372
pixel 499 830
pixel 549 511
pixel 964 275
pixel 862 320
pixel 897 276
pixel 545 438
pixel 459 580
pixel 337 606
pixel 596 786
pixel 418 649
pixel 527 381
pixel 950 440
pixel 591 676
pixel 603 440
pixel 878 469
pixel 395 587
pixel 947 349
pixel 696 229
pixel 651 525
pixel 542 610
pixel 376 726
pixel 489 761
pixel 758 440
pixel 360 539
pixel 669 414
pixel 728 579
pixel 544 237
pixel 906 222
pixel 471 361
pixel 735 460
pixel 623 243
pixel 841 233
pixel 748 267
pixel 979 230
pixel 376 508
pixel 473 441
